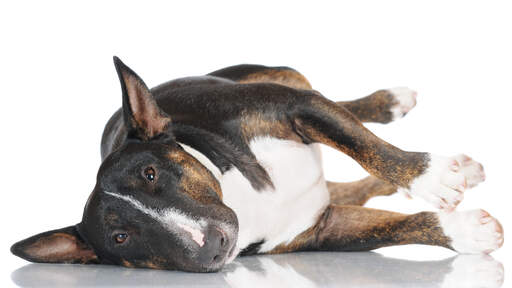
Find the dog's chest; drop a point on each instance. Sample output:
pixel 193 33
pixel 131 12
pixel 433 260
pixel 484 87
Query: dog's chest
pixel 275 216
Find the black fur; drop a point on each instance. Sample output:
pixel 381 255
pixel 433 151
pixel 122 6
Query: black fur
pixel 252 248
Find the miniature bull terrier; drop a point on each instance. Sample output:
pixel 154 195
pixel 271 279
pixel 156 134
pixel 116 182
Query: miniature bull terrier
pixel 199 170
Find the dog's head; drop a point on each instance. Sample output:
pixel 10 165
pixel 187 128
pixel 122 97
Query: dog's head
pixel 154 205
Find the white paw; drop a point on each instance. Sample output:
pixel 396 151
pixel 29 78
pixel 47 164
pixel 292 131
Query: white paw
pixel 445 180
pixel 474 271
pixel 405 99
pixel 472 232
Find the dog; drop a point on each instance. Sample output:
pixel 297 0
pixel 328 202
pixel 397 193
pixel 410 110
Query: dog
pixel 200 170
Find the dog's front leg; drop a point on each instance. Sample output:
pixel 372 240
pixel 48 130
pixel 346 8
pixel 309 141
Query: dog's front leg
pixel 439 180
pixel 355 228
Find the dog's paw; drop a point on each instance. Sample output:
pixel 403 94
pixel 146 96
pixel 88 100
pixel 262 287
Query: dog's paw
pixel 404 100
pixel 472 232
pixel 445 180
pixel 474 271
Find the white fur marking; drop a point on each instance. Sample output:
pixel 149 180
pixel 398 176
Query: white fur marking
pixel 197 236
pixel 168 217
pixel 406 99
pixel 445 180
pixel 300 195
pixel 279 215
pixel 472 232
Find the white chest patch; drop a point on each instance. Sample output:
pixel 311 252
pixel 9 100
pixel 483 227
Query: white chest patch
pixel 275 216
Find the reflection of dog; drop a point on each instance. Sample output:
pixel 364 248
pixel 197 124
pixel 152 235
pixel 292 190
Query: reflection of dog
pixel 284 270
pixel 199 170
pixel 351 269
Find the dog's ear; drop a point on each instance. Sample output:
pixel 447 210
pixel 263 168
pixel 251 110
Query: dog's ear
pixel 57 246
pixel 142 116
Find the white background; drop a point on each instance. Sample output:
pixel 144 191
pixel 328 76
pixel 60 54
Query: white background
pixel 59 87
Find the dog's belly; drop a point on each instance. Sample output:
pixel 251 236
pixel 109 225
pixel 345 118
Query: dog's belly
pixel 275 216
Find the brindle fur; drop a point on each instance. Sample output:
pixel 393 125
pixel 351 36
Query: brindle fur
pixel 359 192
pixel 355 228
pixel 325 122
pixel 373 108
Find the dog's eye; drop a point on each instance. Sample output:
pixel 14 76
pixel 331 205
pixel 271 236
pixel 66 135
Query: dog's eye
pixel 120 238
pixel 150 174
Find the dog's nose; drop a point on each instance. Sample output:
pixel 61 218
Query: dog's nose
pixel 214 249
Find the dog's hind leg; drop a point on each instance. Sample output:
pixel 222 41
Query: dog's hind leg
pixel 359 192
pixel 355 228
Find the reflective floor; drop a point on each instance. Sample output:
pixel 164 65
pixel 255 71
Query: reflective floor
pixel 289 270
